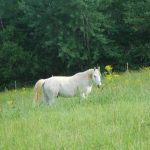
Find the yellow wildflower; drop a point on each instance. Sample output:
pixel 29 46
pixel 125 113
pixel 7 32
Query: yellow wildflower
pixel 108 68
pixel 108 77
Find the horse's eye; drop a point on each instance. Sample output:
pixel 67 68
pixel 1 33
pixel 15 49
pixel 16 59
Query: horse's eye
pixel 94 76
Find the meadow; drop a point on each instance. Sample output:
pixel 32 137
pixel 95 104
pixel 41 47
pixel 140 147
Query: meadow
pixel 115 117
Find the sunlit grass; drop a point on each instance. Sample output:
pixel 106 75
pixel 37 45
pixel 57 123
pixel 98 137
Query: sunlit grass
pixel 116 116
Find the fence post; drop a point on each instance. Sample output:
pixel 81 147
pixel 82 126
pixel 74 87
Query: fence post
pixel 15 85
pixel 127 67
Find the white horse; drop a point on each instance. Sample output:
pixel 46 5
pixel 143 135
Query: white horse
pixel 78 84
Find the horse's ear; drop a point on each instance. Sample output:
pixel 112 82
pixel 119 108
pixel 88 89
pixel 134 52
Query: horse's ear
pixel 98 68
pixel 94 68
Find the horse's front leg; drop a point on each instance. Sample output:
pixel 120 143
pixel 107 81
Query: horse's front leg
pixel 86 92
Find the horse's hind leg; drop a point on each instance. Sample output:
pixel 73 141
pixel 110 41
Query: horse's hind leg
pixel 46 99
pixel 50 94
pixel 51 98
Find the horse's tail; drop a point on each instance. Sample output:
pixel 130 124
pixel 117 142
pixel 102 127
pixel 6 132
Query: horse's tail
pixel 38 91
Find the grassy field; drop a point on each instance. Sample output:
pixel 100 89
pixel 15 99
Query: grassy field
pixel 116 117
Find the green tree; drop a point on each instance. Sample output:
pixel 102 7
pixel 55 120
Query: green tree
pixel 48 37
pixel 137 16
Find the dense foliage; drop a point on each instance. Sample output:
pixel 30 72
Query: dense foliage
pixel 45 37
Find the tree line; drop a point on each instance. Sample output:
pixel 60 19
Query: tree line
pixel 50 37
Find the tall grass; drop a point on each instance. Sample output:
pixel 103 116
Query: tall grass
pixel 116 117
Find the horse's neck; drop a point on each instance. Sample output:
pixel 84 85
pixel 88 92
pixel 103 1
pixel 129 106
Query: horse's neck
pixel 86 75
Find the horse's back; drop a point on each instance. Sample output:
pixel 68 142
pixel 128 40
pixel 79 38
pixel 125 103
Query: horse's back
pixel 62 85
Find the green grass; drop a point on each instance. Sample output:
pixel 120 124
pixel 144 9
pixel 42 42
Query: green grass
pixel 116 117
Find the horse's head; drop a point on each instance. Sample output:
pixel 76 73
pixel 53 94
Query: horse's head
pixel 97 77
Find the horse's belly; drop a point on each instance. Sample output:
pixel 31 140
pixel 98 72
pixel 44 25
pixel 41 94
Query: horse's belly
pixel 67 91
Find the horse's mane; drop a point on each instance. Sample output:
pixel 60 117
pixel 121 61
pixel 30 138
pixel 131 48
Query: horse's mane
pixel 79 74
pixel 85 73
